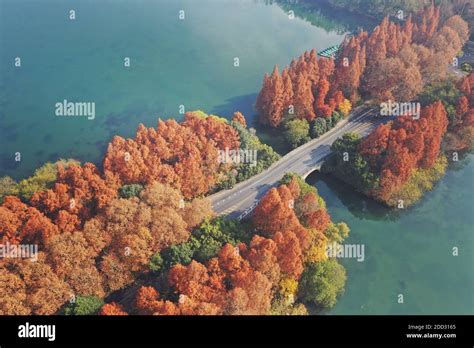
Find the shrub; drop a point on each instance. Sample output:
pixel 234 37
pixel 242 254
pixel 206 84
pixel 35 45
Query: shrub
pixel 156 263
pixel 318 127
pixel 297 132
pixel 321 283
pixel 129 191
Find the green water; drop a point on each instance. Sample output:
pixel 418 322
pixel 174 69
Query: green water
pixel 408 252
pixel 174 62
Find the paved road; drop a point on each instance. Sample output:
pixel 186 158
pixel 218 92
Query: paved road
pixel 468 57
pixel 468 53
pixel 239 201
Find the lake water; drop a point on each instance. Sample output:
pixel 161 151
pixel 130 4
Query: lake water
pixel 408 252
pixel 174 62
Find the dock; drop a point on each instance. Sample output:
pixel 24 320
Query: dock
pixel 329 52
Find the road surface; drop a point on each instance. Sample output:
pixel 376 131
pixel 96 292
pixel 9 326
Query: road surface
pixel 239 201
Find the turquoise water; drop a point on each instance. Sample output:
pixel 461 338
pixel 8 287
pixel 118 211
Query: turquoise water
pixel 173 62
pixel 408 252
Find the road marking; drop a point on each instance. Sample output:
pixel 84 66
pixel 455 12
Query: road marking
pixel 316 151
pixel 298 150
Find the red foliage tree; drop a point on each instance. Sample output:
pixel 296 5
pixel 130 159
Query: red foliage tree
pixel 289 255
pixel 262 255
pixel 462 106
pixel 79 193
pixel 375 144
pixel 21 223
pixel 318 219
pixel 112 309
pixel 228 285
pixel 466 85
pixel 274 212
pixel 238 117
pixel 303 98
pixel 437 120
pixel 321 92
pixel 395 150
pixel 170 152
pixel 271 99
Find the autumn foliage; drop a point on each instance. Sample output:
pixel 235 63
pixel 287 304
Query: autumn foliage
pixel 91 241
pixel 94 241
pixel 246 278
pixel 462 128
pixel 302 90
pixel 30 287
pixel 238 117
pixel 20 222
pixel 112 309
pixel 78 194
pixel 227 284
pixel 292 219
pixel 396 60
pixel 134 229
pixel 393 62
pixel 171 151
pixel 104 255
pixel 394 150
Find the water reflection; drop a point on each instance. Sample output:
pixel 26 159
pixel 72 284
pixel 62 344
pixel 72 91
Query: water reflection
pixel 328 18
pixel 358 204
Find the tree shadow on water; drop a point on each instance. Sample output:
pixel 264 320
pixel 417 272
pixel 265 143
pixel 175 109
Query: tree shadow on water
pixel 242 103
pixel 358 204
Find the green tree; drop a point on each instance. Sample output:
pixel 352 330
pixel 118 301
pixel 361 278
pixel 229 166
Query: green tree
pixel 337 232
pixel 322 282
pixel 213 234
pixel 420 181
pixel 180 253
pixel 336 117
pixel 305 188
pixel 227 183
pixel 329 123
pixel 43 178
pixel 156 262
pixel 297 132
pixel 129 191
pixel 84 305
pixel 319 127
pixel 266 156
pixel 205 242
pixel 466 67
pixel 283 307
pixel 209 247
pixel 8 187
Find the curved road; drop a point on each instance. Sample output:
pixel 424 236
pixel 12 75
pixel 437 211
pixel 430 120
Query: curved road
pixel 239 201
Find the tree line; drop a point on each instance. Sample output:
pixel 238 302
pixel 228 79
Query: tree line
pixel 402 159
pixel 97 230
pixel 273 264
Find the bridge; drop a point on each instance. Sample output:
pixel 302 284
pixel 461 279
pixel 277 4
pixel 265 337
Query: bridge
pixel 239 201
